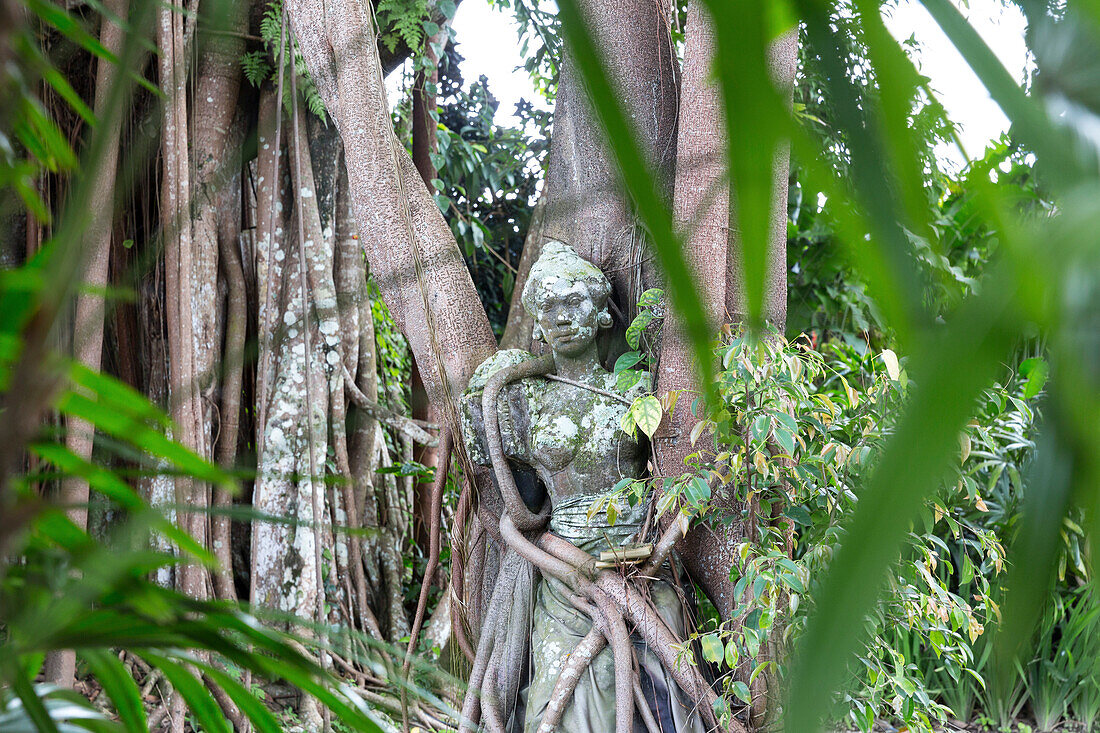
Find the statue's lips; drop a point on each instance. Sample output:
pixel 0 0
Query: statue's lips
pixel 565 335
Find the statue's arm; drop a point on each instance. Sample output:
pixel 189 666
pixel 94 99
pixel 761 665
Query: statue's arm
pixel 515 408
pixel 513 421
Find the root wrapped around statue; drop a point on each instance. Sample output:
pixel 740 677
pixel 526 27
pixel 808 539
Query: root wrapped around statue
pixel 566 642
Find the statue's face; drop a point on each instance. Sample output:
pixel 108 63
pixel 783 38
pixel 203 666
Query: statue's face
pixel 567 316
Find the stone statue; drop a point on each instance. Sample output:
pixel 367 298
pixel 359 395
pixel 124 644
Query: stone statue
pixel 559 416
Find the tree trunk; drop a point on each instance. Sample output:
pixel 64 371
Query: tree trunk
pixel 407 241
pixel 293 441
pixel 184 395
pixel 518 329
pixel 587 206
pixel 424 144
pixel 214 236
pixel 88 323
pixel 703 212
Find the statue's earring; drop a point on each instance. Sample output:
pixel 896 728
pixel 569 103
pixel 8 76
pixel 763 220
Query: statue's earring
pixel 538 335
pixel 604 319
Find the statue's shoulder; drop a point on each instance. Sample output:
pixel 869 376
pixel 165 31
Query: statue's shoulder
pixel 500 360
pixel 514 410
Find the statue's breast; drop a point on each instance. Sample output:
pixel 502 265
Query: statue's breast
pixel 556 441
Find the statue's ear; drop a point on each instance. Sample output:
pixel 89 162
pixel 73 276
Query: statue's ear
pixel 537 334
pixel 604 319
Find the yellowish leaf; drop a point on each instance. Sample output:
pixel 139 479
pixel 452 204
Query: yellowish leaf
pixel 796 369
pixel 647 413
pixel 853 396
pixel 890 359
pixel 697 431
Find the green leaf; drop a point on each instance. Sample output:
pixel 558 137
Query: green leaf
pixel 785 440
pixel 741 690
pixel 697 491
pixel 198 699
pixel 732 655
pixel 793 582
pixel 637 328
pixel 27 693
pixel 713 650
pixel 948 375
pixel 1036 370
pixel 626 422
pixel 798 514
pixel 759 428
pixel 133 430
pixel 627 360
pixel 646 412
pixel 253 709
pixel 110 485
pixel 627 380
pixel 967 573
pixel 119 686
pixel 60 19
pixel 651 298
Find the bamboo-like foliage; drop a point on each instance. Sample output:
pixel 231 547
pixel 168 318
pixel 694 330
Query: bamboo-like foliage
pixel 1045 278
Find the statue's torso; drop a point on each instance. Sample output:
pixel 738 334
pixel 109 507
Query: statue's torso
pixel 575 441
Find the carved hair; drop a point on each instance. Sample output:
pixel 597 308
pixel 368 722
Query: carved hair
pixel 560 261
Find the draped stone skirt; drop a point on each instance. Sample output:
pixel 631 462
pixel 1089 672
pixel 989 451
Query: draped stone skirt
pixel 557 627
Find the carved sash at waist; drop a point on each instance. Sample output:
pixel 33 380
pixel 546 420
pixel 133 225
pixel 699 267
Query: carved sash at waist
pixel 569 520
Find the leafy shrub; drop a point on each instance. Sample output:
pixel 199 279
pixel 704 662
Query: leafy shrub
pixel 795 433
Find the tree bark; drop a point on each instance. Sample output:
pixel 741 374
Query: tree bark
pixel 90 305
pixel 215 229
pixel 586 203
pixel 424 144
pixel 184 396
pixel 292 447
pixel 518 329
pixel 407 241
pixel 702 209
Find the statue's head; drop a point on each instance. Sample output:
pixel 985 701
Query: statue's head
pixel 567 296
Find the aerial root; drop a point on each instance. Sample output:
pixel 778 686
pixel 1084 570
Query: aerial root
pixel 458 568
pixel 471 705
pixel 609 598
pixel 592 644
pixel 619 638
pixel 439 483
pixel 491 710
pixel 631 604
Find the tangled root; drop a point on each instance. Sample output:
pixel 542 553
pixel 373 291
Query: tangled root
pixel 609 598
